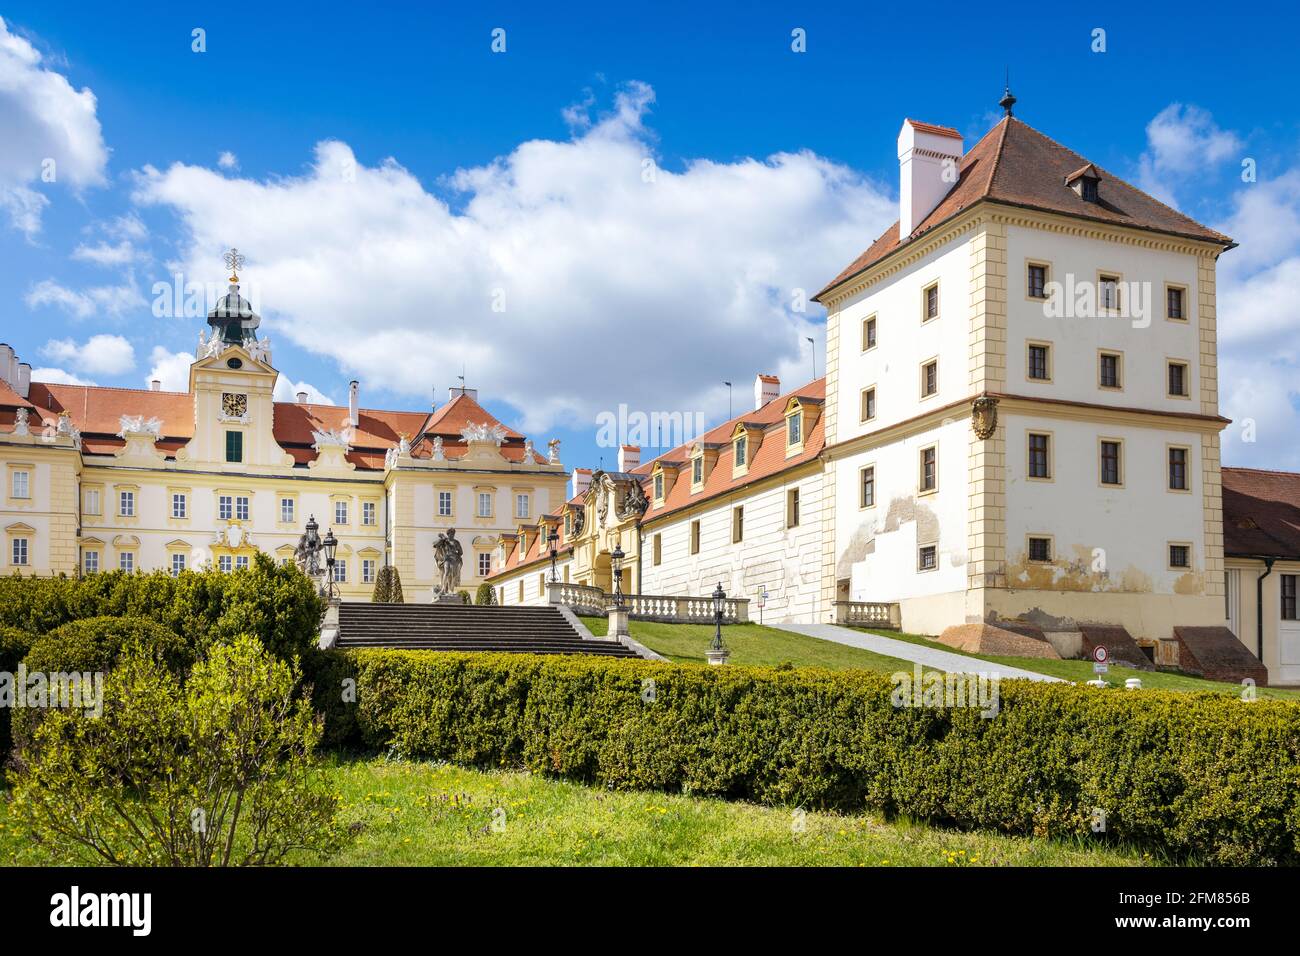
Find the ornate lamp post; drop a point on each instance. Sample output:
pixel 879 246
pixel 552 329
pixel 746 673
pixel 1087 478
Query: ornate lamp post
pixel 330 544
pixel 552 539
pixel 616 569
pixel 717 652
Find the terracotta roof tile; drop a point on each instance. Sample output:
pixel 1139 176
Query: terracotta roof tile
pixel 1017 165
pixel 1261 513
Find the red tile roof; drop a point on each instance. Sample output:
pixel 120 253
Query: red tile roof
pixel 96 412
pixel 11 399
pixel 1019 166
pixel 932 128
pixel 1261 513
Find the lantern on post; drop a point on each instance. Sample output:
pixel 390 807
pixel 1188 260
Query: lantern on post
pixel 717 652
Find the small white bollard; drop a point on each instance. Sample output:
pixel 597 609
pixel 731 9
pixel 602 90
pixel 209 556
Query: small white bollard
pixel 1133 683
pixel 1097 682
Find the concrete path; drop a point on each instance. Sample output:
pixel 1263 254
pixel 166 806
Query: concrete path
pixel 928 656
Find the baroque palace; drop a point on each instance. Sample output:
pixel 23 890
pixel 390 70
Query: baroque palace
pixel 107 478
pixel 1019 421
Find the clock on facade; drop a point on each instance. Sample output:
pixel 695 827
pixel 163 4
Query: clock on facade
pixel 234 405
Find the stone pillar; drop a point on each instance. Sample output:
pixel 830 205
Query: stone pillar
pixel 618 622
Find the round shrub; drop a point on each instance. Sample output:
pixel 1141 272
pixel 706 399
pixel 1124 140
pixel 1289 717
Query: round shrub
pixel 96 644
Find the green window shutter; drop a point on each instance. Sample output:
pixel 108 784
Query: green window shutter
pixel 234 446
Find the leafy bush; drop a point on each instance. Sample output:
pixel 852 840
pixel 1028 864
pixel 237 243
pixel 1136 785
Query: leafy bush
pixel 388 586
pixel 277 603
pixel 216 773
pixel 97 643
pixel 14 645
pixel 486 596
pixel 1199 775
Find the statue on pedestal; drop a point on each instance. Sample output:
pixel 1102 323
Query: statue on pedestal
pixel 447 554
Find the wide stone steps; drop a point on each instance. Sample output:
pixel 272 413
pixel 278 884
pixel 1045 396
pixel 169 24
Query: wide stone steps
pixel 450 627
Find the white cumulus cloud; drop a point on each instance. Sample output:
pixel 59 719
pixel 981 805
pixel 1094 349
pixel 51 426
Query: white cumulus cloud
pixel 287 391
pixel 58 376
pixel 106 301
pixel 568 276
pixel 98 355
pixel 49 132
pixel 1181 140
pixel 172 369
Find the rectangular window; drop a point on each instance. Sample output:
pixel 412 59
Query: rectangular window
pixel 340 512
pixel 90 561
pixel 126 561
pixel 695 537
pixel 521 506
pixel 234 446
pixel 1110 463
pixel 868 410
pixel 1178 379
pixel 367 513
pixel 179 509
pixel 241 508
pixel 92 501
pixel 1288 583
pixel 224 563
pixel 869 333
pixel 1180 556
pixel 1109 375
pixel 178 563
pixel 19 553
pixel 1037 281
pixel 697 471
pixel 241 562
pixel 792 508
pixel 1174 303
pixel 484 564
pixel 868 496
pixel 1040 369
pixel 368 569
pixel 658 549
pixel 930 302
pixel 1040 549
pixel 741 450
pixel 929 473
pixel 1108 292
pixel 929 378
pixel 927 558
pixel 340 570
pixel 659 487
pixel 1178 478
pixel 225 507
pixel 793 430
pixel 286 510
pixel 485 504
pixel 1039 455
pixel 126 504
pixel 21 484
pixel 737 524
pixel 444 504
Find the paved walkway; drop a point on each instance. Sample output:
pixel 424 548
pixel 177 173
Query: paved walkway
pixel 928 656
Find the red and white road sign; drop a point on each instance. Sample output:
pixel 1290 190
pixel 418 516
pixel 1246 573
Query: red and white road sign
pixel 1100 655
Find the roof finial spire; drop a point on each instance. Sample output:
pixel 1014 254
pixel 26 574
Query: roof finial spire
pixel 234 262
pixel 1008 100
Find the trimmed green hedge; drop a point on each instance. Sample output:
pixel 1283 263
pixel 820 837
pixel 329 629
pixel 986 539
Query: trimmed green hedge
pixel 1200 776
pixel 276 603
pixel 96 644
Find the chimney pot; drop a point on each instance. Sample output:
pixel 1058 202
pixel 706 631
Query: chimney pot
pixel 155 385
pixel 629 456
pixel 353 415
pixel 581 481
pixel 929 159
pixel 302 398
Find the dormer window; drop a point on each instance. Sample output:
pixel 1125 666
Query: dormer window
pixel 659 486
pixel 1084 182
pixel 794 429
pixel 697 470
pixel 741 451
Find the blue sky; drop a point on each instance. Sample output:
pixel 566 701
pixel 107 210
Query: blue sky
pixel 496 211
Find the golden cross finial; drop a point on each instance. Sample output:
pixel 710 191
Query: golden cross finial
pixel 235 262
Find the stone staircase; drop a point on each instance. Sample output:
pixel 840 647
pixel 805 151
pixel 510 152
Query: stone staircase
pixel 453 627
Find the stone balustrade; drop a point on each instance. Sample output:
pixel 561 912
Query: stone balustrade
pixel 585 599
pixel 868 614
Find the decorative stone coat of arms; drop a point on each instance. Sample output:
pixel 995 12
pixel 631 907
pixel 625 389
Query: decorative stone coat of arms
pixel 984 417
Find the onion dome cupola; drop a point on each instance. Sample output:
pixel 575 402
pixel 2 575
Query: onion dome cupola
pixel 233 315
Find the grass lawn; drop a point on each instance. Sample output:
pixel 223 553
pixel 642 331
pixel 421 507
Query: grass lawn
pixel 1082 670
pixel 424 814
pixel 751 644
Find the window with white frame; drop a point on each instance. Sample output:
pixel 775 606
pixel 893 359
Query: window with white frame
pixel 179 509
pixel 90 562
pixel 225 507
pixel 178 563
pixel 126 561
pixel 484 563
pixel 18 552
pixel 340 570
pixel 521 506
pixel 444 504
pixel 367 512
pixel 241 562
pixel 286 510
pixel 126 504
pixel 224 563
pixel 21 484
pixel 367 570
pixel 92 501
pixel 340 512
pixel 485 504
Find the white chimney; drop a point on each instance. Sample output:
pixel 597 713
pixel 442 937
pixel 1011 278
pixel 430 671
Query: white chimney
pixel 301 398
pixel 6 357
pixel 352 403
pixel 929 161
pixel 629 456
pixel 155 385
pixel 581 481
pixel 766 388
pixel 457 390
